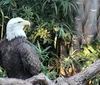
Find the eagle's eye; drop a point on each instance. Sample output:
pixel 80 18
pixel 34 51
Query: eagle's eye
pixel 19 21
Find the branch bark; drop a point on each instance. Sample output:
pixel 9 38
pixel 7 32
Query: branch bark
pixel 78 79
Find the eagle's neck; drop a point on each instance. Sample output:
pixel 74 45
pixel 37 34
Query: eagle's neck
pixel 11 34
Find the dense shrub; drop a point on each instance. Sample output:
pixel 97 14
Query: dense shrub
pixel 53 23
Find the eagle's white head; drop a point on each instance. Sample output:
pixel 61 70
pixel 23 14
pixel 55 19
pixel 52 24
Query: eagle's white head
pixel 15 28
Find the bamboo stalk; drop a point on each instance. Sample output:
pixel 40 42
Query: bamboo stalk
pixel 2 24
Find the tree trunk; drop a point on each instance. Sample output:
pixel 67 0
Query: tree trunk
pixel 78 79
pixel 88 20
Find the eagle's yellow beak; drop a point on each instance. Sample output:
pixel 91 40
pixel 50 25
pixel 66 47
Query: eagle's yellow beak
pixel 26 23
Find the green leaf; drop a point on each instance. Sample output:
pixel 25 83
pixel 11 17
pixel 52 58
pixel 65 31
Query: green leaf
pixel 43 6
pixel 46 49
pixel 56 11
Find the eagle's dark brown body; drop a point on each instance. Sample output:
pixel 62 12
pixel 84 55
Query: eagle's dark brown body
pixel 19 58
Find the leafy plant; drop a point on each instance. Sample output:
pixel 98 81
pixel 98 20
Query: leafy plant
pixel 2 23
pixel 51 75
pixel 95 80
pixel 43 34
pixel 27 12
pixel 42 52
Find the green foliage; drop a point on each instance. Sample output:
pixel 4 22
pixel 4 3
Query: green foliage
pixel 2 73
pixel 88 56
pixel 51 75
pixel 58 11
pixel 42 52
pixel 77 61
pixel 3 17
pixel 43 35
pixel 27 12
pixel 96 79
pixel 52 23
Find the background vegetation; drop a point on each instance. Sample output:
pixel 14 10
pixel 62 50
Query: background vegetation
pixel 53 26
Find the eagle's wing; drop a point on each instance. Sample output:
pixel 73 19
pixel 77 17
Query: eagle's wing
pixel 29 57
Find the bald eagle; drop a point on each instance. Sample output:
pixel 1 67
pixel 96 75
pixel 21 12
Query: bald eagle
pixel 17 55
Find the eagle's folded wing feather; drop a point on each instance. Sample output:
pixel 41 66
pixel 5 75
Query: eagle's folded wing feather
pixel 30 58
